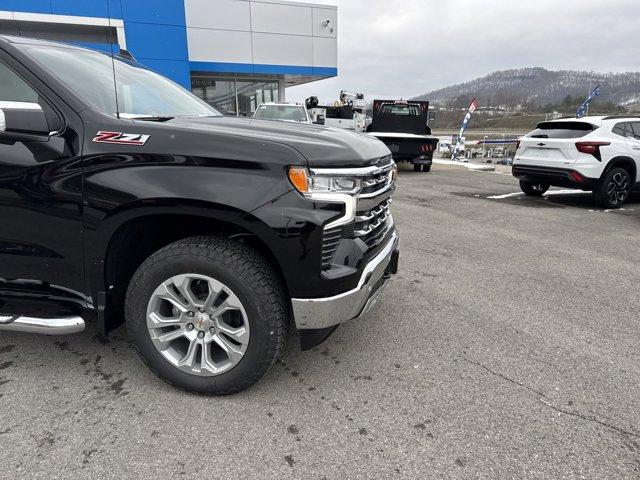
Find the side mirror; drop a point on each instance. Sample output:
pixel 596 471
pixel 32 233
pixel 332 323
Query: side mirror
pixel 22 121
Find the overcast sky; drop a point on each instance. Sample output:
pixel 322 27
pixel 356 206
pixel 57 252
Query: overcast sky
pixel 402 48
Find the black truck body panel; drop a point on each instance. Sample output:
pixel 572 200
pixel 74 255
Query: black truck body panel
pixel 64 201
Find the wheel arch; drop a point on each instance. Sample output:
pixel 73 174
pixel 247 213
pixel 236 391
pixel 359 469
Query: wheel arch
pixel 624 162
pixel 132 235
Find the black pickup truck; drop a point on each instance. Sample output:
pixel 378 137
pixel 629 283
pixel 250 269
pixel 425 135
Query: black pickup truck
pixel 404 127
pixel 123 197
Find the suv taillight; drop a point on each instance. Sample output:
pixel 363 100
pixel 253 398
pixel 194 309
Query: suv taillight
pixel 592 148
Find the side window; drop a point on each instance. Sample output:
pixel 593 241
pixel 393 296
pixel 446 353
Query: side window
pixel 635 126
pixel 13 88
pixel 620 129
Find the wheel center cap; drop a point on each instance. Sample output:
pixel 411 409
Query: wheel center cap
pixel 201 321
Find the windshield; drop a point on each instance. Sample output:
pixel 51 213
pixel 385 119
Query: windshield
pixel 287 113
pixel 140 92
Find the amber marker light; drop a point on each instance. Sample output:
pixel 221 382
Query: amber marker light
pixel 299 178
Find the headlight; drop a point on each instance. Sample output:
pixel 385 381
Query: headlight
pixel 309 184
pixel 342 185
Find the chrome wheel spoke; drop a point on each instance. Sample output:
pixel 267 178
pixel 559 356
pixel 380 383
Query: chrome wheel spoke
pixel 183 284
pixel 155 320
pixel 167 338
pixel 165 292
pixel 233 352
pixel 206 362
pixel 215 289
pixel 230 303
pixel 189 358
pixel 240 335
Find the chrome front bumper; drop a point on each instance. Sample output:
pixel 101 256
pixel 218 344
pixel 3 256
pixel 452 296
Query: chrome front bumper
pixel 321 313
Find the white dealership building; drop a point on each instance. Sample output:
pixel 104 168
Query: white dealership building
pixel 235 54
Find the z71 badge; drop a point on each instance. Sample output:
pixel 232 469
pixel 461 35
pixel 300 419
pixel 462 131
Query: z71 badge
pixel 121 138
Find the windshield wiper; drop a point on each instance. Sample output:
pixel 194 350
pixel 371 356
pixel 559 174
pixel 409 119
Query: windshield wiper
pixel 147 118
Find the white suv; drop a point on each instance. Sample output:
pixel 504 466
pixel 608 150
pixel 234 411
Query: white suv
pixel 599 154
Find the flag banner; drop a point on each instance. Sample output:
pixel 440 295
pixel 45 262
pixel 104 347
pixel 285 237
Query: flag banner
pixel 582 111
pixel 465 123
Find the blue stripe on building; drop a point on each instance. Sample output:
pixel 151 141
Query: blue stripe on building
pixel 156 35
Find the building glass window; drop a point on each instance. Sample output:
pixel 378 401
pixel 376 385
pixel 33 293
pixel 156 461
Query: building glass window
pixel 251 94
pixel 235 96
pixel 217 92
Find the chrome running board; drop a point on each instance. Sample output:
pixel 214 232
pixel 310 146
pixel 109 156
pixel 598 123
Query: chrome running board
pixel 43 326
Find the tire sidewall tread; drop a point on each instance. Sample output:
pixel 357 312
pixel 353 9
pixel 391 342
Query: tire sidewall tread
pixel 248 275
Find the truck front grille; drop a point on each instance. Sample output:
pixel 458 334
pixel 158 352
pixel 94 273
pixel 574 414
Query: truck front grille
pixel 373 225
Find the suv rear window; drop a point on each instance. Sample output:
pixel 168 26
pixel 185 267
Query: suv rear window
pixel 562 130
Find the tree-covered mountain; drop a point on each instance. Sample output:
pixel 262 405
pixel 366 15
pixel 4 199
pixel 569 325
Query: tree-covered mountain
pixel 534 88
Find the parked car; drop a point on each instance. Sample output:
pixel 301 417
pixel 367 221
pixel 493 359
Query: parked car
pixel 598 154
pixel 125 197
pixel 283 112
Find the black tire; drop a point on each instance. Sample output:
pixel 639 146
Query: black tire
pixel 426 167
pixel 250 277
pixel 417 167
pixel 533 189
pixel 614 189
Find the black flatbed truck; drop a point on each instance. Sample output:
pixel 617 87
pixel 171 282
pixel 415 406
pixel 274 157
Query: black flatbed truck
pixel 404 127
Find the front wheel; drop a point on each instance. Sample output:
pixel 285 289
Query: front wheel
pixel 614 189
pixel 207 315
pixel 533 189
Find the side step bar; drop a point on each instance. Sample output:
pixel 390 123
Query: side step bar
pixel 44 326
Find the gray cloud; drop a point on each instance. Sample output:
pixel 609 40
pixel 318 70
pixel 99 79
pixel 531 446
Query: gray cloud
pixel 402 48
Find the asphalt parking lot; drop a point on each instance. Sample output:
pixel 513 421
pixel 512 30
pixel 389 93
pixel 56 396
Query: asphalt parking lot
pixel 507 347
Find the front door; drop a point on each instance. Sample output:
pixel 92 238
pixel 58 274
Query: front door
pixel 41 249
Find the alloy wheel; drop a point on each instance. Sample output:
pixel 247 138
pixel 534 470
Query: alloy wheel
pixel 198 324
pixel 618 188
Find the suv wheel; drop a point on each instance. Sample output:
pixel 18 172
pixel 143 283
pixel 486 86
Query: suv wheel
pixel 533 189
pixel 207 315
pixel 614 189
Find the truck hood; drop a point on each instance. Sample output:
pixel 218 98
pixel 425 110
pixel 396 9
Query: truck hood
pixel 321 146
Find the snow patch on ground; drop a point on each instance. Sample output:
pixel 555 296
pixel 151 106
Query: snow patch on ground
pixel 550 192
pixel 470 166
